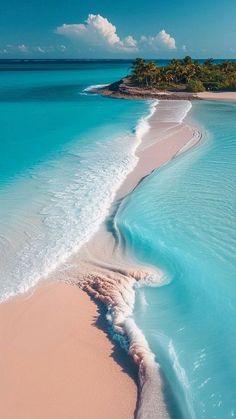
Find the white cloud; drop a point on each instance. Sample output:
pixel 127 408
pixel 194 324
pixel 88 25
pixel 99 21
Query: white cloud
pixel 49 48
pixel 22 48
pixel 162 40
pixel 97 31
pixel 130 41
pixel 40 49
pixel 184 48
pixel 10 48
pixel 166 40
pixel 61 48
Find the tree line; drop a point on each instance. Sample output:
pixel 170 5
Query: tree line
pixel 185 74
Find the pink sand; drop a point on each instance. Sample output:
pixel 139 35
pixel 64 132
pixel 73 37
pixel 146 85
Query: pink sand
pixel 55 363
pixel 231 96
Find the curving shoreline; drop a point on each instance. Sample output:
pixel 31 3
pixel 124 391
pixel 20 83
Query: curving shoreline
pixel 122 89
pixel 108 274
pixel 103 269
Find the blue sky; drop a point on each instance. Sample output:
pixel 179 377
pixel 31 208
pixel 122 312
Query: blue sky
pixel 117 29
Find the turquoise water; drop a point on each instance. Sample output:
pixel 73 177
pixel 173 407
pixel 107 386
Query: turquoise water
pixel 182 219
pixel 41 111
pixel 64 152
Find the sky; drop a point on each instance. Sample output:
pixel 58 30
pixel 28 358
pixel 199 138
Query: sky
pixel 117 29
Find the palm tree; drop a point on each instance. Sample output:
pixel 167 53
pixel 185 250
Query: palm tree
pixel 169 76
pixel 209 62
pixel 187 60
pixel 189 72
pixel 150 73
pixel 227 66
pixel 177 69
pixel 138 68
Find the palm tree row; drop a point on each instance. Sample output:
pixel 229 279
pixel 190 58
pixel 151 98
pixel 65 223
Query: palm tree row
pixel 185 74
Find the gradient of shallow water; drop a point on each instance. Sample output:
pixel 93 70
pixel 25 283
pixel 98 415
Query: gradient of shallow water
pixel 63 154
pixel 182 219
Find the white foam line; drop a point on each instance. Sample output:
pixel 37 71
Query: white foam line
pixel 151 400
pixel 117 292
pixel 33 260
pixel 143 125
pixel 94 86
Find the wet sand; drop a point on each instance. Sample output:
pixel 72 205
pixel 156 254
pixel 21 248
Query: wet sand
pixel 109 273
pixel 56 359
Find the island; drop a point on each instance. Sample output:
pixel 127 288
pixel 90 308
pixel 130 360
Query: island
pixel 185 79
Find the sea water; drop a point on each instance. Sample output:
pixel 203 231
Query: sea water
pixel 63 154
pixel 182 219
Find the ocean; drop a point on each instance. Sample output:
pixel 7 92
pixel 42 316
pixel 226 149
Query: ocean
pixel 64 154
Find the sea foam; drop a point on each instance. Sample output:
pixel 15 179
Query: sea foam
pixel 115 285
pixel 59 205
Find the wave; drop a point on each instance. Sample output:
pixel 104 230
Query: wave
pixel 113 280
pixel 72 197
pixel 174 111
pixel 116 289
pixel 143 125
pixel 68 199
pixel 94 86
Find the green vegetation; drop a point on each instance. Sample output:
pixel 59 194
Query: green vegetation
pixel 195 86
pixel 186 74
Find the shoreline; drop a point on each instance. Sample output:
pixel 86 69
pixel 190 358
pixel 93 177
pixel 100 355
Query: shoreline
pixel 123 90
pixel 56 358
pixel 103 271
pixel 108 274
pixel 218 96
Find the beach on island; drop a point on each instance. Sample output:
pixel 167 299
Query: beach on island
pixel 56 357
pixel 219 96
pixel 123 90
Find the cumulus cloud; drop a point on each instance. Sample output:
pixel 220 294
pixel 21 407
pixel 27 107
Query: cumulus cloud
pixel 166 40
pixel 97 31
pixel 162 40
pixel 129 41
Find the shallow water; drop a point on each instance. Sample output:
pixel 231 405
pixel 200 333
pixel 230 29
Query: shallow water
pixel 182 219
pixel 64 152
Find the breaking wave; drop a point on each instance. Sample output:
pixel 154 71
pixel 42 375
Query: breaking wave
pixel 59 205
pixel 115 283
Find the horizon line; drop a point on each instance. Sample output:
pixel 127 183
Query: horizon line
pixel 109 59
